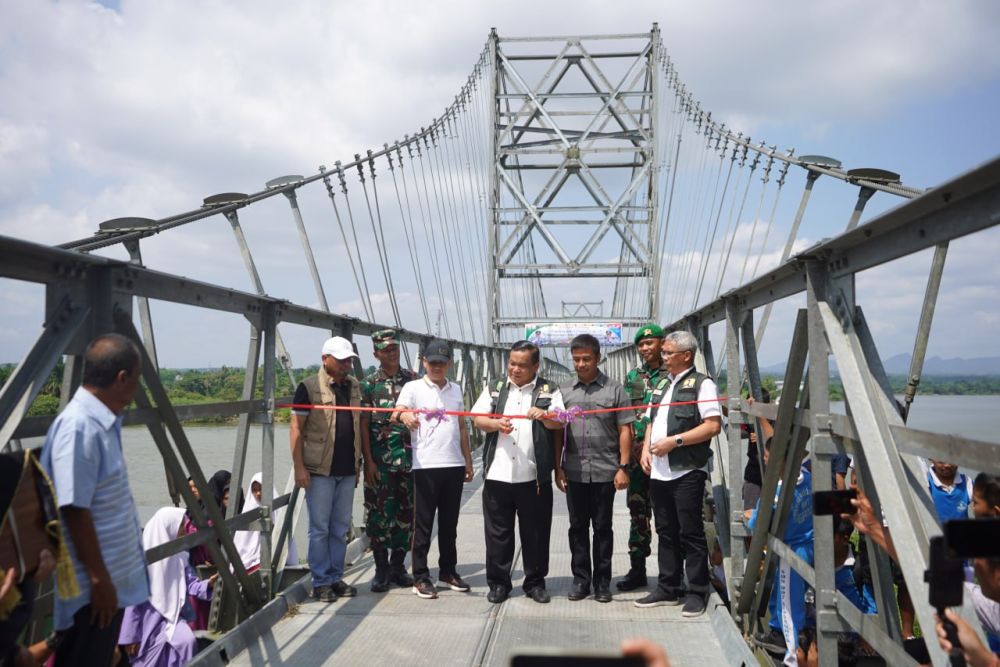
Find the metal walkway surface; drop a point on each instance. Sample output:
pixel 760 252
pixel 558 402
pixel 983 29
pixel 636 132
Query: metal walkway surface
pixel 465 629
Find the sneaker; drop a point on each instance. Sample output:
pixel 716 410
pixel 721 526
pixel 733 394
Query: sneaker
pixel 344 589
pixel 454 582
pixel 771 641
pixel 658 599
pixel 694 605
pixel 324 594
pixel 424 589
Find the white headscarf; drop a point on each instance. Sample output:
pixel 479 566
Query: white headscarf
pixel 248 541
pixel 167 579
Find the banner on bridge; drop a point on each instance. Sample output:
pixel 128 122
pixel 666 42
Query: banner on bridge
pixel 608 334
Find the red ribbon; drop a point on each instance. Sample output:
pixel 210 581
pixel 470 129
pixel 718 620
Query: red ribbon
pixel 463 413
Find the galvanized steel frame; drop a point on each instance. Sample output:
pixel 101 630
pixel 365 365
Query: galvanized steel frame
pixel 87 295
pixel 636 225
pixel 873 432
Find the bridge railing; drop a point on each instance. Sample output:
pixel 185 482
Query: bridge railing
pixel 86 295
pixel 873 431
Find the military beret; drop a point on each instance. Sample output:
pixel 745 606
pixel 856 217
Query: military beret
pixel 648 331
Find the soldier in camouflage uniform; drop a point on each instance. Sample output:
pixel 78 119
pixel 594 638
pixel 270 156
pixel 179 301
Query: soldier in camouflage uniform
pixel 639 385
pixel 388 478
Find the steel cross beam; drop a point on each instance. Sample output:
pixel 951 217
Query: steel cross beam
pixel 574 135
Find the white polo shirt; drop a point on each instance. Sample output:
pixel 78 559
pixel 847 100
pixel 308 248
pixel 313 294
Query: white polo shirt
pixel 514 459
pixel 710 408
pixel 435 444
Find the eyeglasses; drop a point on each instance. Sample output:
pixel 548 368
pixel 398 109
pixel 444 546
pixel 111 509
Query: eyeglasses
pixel 665 353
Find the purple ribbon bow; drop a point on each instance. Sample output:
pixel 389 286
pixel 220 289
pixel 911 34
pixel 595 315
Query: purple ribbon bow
pixel 437 415
pixel 567 417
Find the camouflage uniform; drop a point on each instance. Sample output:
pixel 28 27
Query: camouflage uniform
pixel 389 501
pixel 639 385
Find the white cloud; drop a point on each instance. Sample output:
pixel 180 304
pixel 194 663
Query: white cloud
pixel 146 110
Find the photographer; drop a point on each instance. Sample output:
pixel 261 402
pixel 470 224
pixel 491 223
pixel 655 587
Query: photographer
pixel 985 597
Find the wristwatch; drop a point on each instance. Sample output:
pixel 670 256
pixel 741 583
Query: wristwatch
pixel 679 440
pixel 623 466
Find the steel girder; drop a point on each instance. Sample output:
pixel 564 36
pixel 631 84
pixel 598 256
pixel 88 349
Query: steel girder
pixel 549 143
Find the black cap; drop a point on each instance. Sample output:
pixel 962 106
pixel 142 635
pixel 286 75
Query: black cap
pixel 437 350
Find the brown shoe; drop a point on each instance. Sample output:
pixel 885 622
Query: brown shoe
pixel 424 589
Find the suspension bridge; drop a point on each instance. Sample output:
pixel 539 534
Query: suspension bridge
pixel 548 193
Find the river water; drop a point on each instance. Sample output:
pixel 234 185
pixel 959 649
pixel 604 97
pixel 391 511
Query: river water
pixel 970 416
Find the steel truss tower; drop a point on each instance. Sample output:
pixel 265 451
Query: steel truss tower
pixel 574 128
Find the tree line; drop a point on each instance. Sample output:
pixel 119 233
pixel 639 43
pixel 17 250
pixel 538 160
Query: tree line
pixel 187 386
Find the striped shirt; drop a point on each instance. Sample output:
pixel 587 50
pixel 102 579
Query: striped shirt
pixel 83 456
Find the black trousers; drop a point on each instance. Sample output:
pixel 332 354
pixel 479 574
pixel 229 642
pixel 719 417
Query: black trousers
pixel 531 503
pixel 677 510
pixel 86 644
pixel 590 504
pixel 436 490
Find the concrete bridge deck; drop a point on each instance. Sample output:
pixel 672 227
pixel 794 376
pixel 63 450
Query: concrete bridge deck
pixel 463 628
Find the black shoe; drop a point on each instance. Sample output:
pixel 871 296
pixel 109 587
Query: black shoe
pixel 454 582
pixel 344 590
pixel 324 594
pixel 635 578
pixel 602 593
pixel 539 594
pixel 380 582
pixel 694 605
pixel 397 570
pixel 771 641
pixel 425 589
pixel 579 591
pixel 497 594
pixel 658 599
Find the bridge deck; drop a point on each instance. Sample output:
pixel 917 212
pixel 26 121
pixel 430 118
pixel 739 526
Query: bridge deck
pixel 465 629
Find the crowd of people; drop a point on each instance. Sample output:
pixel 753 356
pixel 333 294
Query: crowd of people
pixel 406 438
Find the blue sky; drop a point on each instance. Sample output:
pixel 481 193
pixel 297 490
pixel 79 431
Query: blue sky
pixel 135 108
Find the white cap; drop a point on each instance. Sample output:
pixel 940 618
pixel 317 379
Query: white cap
pixel 338 348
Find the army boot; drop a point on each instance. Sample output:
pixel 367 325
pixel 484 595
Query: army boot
pixel 397 571
pixel 380 582
pixel 635 578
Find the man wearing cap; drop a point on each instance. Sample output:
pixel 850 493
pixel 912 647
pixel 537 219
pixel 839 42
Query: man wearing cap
pixel 326 455
pixel 639 384
pixel 388 480
pixel 442 464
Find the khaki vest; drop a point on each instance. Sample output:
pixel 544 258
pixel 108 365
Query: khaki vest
pixel 321 425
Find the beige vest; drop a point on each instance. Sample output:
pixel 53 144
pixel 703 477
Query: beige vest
pixel 321 425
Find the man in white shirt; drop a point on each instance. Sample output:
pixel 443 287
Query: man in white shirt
pixel 676 453
pixel 442 463
pixel 518 459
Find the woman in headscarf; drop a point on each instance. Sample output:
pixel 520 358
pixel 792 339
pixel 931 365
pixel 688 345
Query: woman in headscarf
pixel 218 484
pixel 153 633
pixel 248 541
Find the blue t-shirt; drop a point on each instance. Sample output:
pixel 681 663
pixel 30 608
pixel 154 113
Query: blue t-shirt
pixel 83 456
pixel 799 529
pixel 954 503
pixel 860 596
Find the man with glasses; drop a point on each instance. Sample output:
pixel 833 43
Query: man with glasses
pixel 326 455
pixel 442 464
pixel 676 453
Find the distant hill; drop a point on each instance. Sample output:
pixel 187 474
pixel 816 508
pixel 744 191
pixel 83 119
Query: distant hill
pixel 900 365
